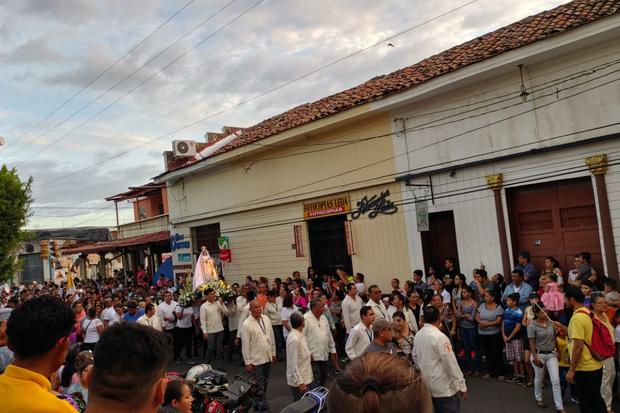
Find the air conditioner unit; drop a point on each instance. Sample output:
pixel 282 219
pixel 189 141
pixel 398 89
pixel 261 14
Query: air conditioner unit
pixel 183 148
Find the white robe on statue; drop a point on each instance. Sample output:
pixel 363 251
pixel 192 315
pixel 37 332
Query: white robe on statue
pixel 205 269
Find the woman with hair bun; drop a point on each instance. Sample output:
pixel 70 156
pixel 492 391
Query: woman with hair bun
pixel 379 382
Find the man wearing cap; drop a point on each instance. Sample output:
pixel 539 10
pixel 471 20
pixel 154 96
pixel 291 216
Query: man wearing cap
pixel 434 356
pixel 133 312
pixel 383 331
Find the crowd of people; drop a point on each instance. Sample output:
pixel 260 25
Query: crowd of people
pixel 87 347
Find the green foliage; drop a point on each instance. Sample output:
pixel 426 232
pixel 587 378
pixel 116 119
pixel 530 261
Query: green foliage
pixel 15 201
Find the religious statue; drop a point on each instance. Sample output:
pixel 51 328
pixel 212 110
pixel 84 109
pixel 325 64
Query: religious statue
pixel 205 269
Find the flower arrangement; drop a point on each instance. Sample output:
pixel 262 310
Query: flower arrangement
pixel 222 290
pixel 186 295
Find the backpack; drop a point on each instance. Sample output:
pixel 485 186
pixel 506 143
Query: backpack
pixel 215 407
pixel 602 345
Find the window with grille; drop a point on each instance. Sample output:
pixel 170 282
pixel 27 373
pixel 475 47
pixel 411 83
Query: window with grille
pixel 535 220
pixel 206 235
pixel 581 216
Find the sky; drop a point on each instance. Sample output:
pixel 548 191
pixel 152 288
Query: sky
pixel 92 92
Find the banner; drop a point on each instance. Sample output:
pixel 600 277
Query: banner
pixel 421 214
pixel 225 255
pixel 222 243
pixel 348 233
pixel 299 246
pixel 327 207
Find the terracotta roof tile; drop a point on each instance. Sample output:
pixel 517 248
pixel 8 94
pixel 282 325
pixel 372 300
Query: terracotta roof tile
pixel 529 30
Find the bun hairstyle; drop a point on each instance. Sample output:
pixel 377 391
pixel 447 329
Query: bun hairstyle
pixel 379 382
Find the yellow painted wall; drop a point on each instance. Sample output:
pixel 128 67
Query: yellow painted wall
pixel 286 173
pixel 251 199
pixel 261 241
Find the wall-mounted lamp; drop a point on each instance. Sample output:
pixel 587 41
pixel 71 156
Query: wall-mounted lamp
pixel 524 93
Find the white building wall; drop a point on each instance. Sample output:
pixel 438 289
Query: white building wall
pixel 474 213
pixel 488 119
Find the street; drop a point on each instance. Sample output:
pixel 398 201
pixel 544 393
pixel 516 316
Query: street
pixel 490 395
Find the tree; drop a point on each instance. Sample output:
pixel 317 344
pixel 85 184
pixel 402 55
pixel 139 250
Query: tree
pixel 15 201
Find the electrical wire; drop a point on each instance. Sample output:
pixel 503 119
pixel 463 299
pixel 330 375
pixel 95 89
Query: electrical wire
pixel 368 138
pixel 72 207
pixel 101 95
pixel 508 183
pixel 432 124
pixel 100 75
pixel 269 91
pixel 272 197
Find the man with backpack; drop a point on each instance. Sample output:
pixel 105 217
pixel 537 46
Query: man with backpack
pixel 585 370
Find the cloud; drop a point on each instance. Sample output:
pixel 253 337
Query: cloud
pixel 63 11
pixel 61 45
pixel 32 51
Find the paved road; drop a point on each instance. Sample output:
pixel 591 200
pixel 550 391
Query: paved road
pixel 485 395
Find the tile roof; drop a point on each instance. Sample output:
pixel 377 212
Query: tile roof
pixel 521 33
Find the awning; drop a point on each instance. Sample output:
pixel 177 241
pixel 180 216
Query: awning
pixel 119 243
pixel 88 234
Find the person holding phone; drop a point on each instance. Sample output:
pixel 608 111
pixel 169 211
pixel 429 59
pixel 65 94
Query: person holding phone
pixel 541 335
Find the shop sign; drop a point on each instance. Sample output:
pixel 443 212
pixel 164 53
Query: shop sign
pixel 299 246
pixel 375 205
pixel 327 207
pixel 177 242
pixel 421 214
pixel 184 257
pixel 348 233
pixel 225 255
pixel 222 243
pixel 182 270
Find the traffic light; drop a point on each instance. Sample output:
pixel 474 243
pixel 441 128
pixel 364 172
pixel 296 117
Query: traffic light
pixel 45 252
pixel 57 250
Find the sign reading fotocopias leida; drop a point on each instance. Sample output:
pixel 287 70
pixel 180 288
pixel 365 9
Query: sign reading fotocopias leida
pixel 327 207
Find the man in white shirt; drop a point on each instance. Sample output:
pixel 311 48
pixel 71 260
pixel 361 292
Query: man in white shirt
pixel 149 318
pixel 108 313
pixel 361 335
pixel 258 344
pixel 184 332
pixel 351 307
pixel 212 313
pixel 298 358
pixel 149 300
pixel 434 356
pixel 359 283
pixel 275 316
pixel 167 312
pixel 376 303
pixel 320 341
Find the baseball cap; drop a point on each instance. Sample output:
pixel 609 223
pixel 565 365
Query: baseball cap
pixel 381 324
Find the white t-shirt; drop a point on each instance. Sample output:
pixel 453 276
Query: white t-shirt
pixel 185 321
pixel 108 314
pixel 91 335
pixel 115 319
pixel 286 316
pixel 167 311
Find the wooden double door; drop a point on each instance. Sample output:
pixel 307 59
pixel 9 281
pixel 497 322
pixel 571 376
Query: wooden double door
pixel 555 219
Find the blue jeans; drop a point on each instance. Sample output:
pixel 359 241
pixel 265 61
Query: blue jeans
pixel 469 336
